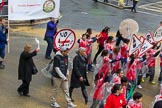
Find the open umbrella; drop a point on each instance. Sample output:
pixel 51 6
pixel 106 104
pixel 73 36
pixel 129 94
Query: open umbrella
pixel 128 27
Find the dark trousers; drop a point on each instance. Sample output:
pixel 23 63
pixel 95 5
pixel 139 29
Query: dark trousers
pixel 49 47
pixel 139 77
pixel 84 92
pixel 24 87
pixel 134 6
pixel 98 52
pixel 160 75
pixel 151 73
pixel 2 54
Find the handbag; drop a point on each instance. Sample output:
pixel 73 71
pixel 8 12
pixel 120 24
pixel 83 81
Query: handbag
pixel 34 71
pixel 47 70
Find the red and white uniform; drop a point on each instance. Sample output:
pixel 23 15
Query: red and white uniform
pixel 133 104
pixel 116 65
pixel 150 54
pixel 99 89
pixel 114 101
pixel 116 79
pixel 89 46
pixel 124 91
pixel 124 49
pixel 83 43
pixel 102 38
pixel 109 47
pixel 131 72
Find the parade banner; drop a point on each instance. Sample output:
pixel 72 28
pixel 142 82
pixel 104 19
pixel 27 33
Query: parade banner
pixel 33 9
pixel 134 45
pixel 64 37
pixel 158 34
pixel 149 37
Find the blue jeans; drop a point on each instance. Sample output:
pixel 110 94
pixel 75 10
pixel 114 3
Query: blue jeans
pixel 2 53
pixel 49 46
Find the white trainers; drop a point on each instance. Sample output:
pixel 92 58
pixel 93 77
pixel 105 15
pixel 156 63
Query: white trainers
pixel 55 105
pixel 139 86
pixel 71 105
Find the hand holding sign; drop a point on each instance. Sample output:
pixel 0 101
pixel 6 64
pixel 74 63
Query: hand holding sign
pixel 37 41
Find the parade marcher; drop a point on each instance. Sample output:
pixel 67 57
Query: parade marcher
pixel 79 74
pixel 101 80
pixel 3 40
pixel 90 40
pixel 60 74
pixel 109 45
pixel 124 84
pixel 86 42
pixel 117 57
pixel 116 99
pixel 157 103
pixel 117 76
pixel 25 69
pixel 136 102
pixel 124 53
pixel 119 38
pixel 134 5
pixel 152 53
pixel 49 36
pixel 100 62
pixel 101 40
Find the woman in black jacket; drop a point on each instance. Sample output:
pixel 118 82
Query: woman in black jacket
pixel 26 69
pixel 79 74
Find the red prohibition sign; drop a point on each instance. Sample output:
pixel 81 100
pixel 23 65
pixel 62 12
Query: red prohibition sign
pixel 64 37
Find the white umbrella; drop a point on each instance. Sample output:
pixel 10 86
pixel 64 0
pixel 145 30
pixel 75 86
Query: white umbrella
pixel 128 27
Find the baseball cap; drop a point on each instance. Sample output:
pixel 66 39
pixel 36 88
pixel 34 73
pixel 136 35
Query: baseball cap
pixel 64 48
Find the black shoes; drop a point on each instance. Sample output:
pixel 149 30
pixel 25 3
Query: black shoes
pixel 27 95
pixel 2 66
pixel 48 57
pixel 20 93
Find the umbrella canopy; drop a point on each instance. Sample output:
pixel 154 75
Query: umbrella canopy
pixel 128 27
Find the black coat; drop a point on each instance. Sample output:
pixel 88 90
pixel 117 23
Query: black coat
pixel 26 66
pixel 79 70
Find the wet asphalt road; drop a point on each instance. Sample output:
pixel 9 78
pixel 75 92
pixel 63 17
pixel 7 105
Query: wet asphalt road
pixel 78 15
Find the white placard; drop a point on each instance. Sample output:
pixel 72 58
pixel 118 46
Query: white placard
pixel 145 47
pixel 65 37
pixel 135 44
pixel 158 34
pixel 149 37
